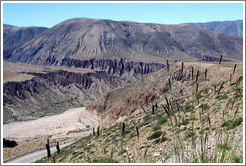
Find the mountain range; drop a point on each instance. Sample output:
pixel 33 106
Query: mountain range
pixel 233 28
pixel 82 38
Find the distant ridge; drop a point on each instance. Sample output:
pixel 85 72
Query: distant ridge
pixel 233 28
pixel 83 38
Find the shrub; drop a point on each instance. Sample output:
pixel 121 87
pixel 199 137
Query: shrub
pixel 155 135
pixel 219 97
pixel 231 124
pixel 104 160
pixel 162 120
pixel 189 134
pixel 122 151
pixel 156 127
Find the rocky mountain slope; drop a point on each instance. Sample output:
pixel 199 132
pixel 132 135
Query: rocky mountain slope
pixel 233 28
pixel 14 37
pixel 111 106
pixel 82 38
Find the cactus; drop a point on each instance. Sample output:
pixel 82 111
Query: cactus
pixel 239 81
pixel 234 69
pixel 197 75
pixel 153 109
pixel 54 160
pixel 48 150
pixel 169 83
pixel 137 132
pixel 162 136
pixel 123 127
pixel 167 65
pixel 221 87
pixel 221 56
pixel 192 72
pixel 58 147
pixel 98 131
pixel 93 131
pixel 143 109
pixel 197 85
pixel 214 89
pixel 206 70
pixel 182 69
pixel 146 100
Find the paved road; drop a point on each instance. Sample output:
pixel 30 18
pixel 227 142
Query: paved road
pixel 29 158
pixel 32 157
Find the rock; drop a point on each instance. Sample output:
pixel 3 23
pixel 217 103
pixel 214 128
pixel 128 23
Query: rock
pixel 182 127
pixel 142 146
pixel 156 154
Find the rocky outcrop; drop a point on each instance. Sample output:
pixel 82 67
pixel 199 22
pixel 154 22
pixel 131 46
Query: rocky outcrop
pixel 54 92
pixel 120 68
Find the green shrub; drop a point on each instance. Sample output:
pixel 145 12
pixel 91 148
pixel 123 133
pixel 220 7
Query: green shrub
pixel 156 127
pixel 162 120
pixel 189 108
pixel 189 134
pixel 219 97
pixel 104 160
pixel 147 117
pixel 238 159
pixel 155 135
pixel 122 151
pixel 231 124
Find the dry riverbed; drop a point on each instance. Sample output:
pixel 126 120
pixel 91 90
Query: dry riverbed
pixel 68 126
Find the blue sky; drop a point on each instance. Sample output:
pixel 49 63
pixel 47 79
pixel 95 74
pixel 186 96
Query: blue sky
pixel 50 14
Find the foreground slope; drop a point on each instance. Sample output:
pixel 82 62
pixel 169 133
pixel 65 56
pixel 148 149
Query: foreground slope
pixel 178 123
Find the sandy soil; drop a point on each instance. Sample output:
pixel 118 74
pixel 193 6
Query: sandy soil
pixel 55 125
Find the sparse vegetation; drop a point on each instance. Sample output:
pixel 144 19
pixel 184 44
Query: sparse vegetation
pixel 190 132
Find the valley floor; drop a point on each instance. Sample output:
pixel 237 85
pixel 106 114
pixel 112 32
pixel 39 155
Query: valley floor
pixel 67 126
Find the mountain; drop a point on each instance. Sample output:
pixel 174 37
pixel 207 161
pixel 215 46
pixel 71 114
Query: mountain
pixel 233 28
pixel 14 37
pixel 83 39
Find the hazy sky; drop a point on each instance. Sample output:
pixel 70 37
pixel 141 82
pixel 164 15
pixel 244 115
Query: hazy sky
pixel 50 14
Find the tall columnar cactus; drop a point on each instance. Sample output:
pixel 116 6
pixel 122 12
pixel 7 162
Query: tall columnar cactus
pixel 123 127
pixel 58 147
pixel 137 131
pixel 167 65
pixel 206 70
pixel 197 75
pixel 220 87
pixel 153 109
pixel 234 69
pixel 192 72
pixel 221 56
pixel 98 131
pixel 182 70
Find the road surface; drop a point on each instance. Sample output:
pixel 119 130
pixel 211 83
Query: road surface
pixel 32 157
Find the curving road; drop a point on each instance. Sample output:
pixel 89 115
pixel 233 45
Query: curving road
pixel 32 157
